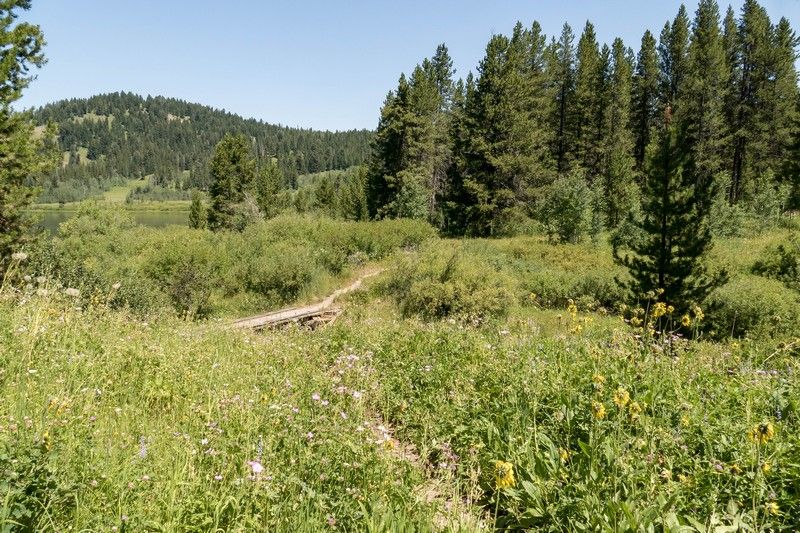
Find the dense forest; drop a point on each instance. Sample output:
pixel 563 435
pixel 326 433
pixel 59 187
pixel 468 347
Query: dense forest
pixel 555 127
pixel 110 138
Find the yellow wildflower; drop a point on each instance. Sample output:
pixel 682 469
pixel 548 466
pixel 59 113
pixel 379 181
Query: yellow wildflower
pixel 670 309
pixel 686 321
pixel 572 309
pixel 698 313
pixel 48 443
pixel 598 379
pixel 563 455
pixel 762 433
pixel 621 397
pixel 503 475
pixel 658 310
pixel 635 410
pixel 766 467
pixel 772 508
pixel 685 420
pixel 636 322
pixel 660 291
pixel 598 410
pixel 736 469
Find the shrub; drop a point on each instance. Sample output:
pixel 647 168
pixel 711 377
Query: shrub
pixel 437 283
pixel 566 210
pixel 750 305
pixel 781 262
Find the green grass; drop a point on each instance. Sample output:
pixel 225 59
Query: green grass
pixel 387 421
pixel 119 193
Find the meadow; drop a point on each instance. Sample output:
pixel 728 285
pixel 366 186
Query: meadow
pixel 474 385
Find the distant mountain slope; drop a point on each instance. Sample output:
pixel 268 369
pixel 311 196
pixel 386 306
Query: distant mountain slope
pixel 110 138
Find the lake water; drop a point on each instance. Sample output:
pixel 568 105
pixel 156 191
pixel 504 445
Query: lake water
pixel 50 220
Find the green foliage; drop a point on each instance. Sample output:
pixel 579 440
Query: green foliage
pixel 566 209
pixel 197 273
pixel 113 137
pixel 502 154
pixel 438 283
pixel 411 151
pixel 198 217
pixel 22 153
pixel 674 235
pixel 754 306
pixel 233 171
pixel 781 262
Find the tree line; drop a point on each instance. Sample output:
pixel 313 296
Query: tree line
pixel 548 124
pixel 109 138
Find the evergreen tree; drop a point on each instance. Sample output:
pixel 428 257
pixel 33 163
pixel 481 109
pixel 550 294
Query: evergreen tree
pixel 411 151
pixel 618 165
pixel 750 131
pixel 562 74
pixel 198 217
pixel 504 152
pixel 21 152
pixel 781 97
pixel 645 96
pixel 588 113
pixel 673 50
pixel 352 195
pixel 232 170
pixel 270 181
pixel 674 228
pixel 700 107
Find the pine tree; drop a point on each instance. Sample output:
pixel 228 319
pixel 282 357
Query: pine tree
pixel 700 107
pixel 22 154
pixel 781 96
pixel 411 152
pixel 645 96
pixel 750 131
pixel 504 150
pixel 198 218
pixel 674 230
pixel 673 50
pixel 233 170
pixel 588 103
pixel 618 182
pixel 561 72
pixel 270 181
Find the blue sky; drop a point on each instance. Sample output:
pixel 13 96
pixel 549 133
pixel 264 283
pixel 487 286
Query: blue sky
pixel 321 64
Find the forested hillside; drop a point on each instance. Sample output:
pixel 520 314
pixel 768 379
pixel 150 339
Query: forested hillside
pixel 557 128
pixel 110 138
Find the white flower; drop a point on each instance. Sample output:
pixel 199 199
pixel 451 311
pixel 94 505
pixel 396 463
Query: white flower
pixel 315 396
pixel 19 256
pixel 72 292
pixel 116 286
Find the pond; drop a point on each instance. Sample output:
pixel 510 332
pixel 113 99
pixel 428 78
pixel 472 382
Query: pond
pixel 50 220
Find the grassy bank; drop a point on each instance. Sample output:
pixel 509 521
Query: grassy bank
pixel 384 423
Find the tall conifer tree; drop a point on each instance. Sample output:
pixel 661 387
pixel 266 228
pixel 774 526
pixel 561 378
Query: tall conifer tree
pixel 618 167
pixel 700 107
pixel 645 96
pixel 674 229
pixel 588 103
pixel 562 74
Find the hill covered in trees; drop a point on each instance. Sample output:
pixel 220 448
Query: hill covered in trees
pixel 110 138
pixel 558 129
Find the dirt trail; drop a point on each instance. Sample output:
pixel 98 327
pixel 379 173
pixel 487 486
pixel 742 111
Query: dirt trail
pixel 321 310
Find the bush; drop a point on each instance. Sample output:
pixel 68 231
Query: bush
pixel 749 305
pixel 196 272
pixel 566 210
pixel 437 283
pixel 781 262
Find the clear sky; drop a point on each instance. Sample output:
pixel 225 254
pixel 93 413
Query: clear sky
pixel 325 64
